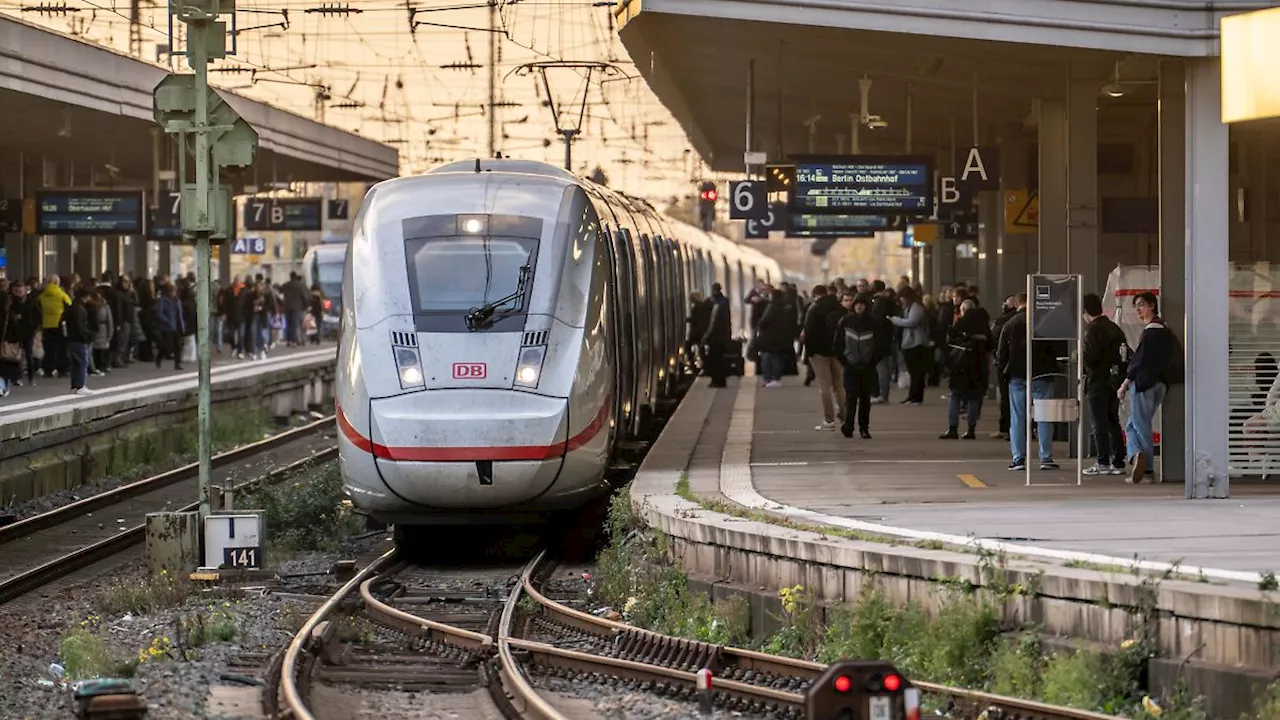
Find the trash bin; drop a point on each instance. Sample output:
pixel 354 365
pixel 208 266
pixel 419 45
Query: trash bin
pixel 1056 410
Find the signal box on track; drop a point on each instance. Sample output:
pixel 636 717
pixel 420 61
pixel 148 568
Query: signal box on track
pixel 862 690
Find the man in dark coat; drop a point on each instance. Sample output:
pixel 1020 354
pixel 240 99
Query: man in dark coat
pixel 968 354
pixel 1103 354
pixel 718 336
pixel 819 346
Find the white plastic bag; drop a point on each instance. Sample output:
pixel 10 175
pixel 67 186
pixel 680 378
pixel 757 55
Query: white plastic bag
pixel 189 349
pixel 904 380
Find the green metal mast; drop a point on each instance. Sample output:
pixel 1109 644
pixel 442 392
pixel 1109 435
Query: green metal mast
pixel 184 105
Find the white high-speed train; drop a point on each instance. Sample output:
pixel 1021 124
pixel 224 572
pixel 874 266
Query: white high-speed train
pixel 506 325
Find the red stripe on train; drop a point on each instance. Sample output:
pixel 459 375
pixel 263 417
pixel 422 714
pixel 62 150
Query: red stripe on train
pixel 471 454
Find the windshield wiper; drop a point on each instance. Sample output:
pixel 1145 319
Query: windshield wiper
pixel 481 318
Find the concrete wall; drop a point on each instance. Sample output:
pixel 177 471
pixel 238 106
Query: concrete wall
pixel 62 450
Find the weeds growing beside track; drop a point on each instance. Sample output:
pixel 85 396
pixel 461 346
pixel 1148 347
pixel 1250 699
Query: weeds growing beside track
pixel 305 512
pixel 960 640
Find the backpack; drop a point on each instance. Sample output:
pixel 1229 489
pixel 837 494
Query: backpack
pixel 859 347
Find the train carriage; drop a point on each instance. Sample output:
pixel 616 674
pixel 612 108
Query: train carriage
pixel 507 326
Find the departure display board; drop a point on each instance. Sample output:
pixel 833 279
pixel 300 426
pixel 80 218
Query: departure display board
pixel 863 184
pixel 89 212
pixel 835 225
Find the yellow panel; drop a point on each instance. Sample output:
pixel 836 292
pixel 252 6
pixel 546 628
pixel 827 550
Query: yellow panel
pixel 1250 56
pixel 972 481
pixel 1021 212
pixel 926 233
pixel 627 11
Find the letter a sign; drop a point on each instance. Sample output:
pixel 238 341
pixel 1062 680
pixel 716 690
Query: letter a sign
pixel 978 168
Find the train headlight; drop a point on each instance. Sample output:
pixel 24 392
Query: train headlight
pixel 408 367
pixel 529 370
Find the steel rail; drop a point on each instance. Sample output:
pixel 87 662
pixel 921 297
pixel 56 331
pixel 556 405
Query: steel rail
pixel 412 624
pixel 289 667
pixel 59 515
pixel 784 666
pixel 523 696
pixel 41 575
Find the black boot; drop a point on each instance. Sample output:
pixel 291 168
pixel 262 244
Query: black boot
pixel 949 435
pixel 969 435
pixel 866 434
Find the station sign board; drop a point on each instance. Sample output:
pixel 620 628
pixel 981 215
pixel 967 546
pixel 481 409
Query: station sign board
pixel 283 214
pixel 339 209
pixel 249 246
pixel 10 215
pixel 89 212
pixel 748 200
pixel 774 219
pixel 166 223
pixel 863 184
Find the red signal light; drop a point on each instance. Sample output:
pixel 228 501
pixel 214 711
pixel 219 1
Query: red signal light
pixel 712 195
pixel 843 684
pixel 328 304
pixel 892 683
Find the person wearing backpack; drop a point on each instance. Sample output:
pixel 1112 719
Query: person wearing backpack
pixel 1105 354
pixel 861 341
pixel 1157 363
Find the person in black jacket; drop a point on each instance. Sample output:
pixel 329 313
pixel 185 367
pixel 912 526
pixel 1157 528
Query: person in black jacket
pixel 718 336
pixel 968 361
pixel 1146 382
pixel 1103 354
pixel 777 333
pixel 1007 311
pixel 79 335
pixel 699 320
pixel 1011 359
pixel 819 346
pixel 862 342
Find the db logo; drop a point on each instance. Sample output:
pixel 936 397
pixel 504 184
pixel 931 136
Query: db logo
pixel 470 371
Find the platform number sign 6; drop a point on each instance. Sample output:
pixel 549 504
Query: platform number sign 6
pixel 748 200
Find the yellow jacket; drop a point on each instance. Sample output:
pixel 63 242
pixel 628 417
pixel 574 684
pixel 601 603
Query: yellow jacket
pixel 53 301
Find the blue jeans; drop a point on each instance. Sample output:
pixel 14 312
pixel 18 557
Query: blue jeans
pixel 771 366
pixel 884 378
pixel 79 354
pixel 1142 410
pixel 972 400
pixel 1040 390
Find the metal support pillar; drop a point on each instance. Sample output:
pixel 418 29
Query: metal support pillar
pixel 1052 256
pixel 1172 259
pixel 1082 184
pixel 1012 249
pixel 1207 271
pixel 159 150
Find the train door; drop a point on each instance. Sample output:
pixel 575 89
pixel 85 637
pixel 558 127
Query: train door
pixel 622 290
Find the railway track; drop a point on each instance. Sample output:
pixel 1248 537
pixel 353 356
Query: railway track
pixel 51 545
pixel 501 640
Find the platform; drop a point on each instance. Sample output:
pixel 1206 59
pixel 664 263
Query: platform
pixel 906 481
pixel 51 440
pixel 54 394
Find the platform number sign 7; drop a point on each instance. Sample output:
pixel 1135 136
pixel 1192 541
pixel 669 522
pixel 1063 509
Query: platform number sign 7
pixel 748 200
pixel 338 209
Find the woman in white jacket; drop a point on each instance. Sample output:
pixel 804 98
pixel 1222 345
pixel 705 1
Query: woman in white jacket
pixel 916 346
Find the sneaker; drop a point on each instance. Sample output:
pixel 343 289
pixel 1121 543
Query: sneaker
pixel 1097 470
pixel 866 434
pixel 82 391
pixel 949 435
pixel 826 426
pixel 1018 465
pixel 1116 470
pixel 913 403
pixel 970 435
pixel 997 435
pixel 773 384
pixel 1139 471
pixel 878 401
pixel 1048 465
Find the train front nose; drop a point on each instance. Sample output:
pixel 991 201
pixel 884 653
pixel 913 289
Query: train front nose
pixel 467 449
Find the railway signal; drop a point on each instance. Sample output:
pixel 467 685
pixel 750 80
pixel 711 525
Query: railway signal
pixel 862 690
pixel 707 197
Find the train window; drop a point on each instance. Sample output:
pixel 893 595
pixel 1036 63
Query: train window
pixel 458 274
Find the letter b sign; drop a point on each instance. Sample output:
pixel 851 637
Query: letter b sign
pixel 748 200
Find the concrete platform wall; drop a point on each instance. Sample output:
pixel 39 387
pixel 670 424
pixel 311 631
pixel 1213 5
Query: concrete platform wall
pixel 43 453
pixel 1222 631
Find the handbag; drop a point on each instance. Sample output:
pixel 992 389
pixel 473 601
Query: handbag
pixel 9 351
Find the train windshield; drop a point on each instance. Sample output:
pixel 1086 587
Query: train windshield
pixel 328 275
pixel 458 274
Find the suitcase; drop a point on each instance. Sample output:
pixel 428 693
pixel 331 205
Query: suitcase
pixel 734 362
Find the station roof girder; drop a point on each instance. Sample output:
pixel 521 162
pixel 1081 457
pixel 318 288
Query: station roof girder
pixel 698 68
pixel 1186 28
pixel 49 82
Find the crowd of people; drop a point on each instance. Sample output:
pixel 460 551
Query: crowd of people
pixel 857 342
pixel 74 328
